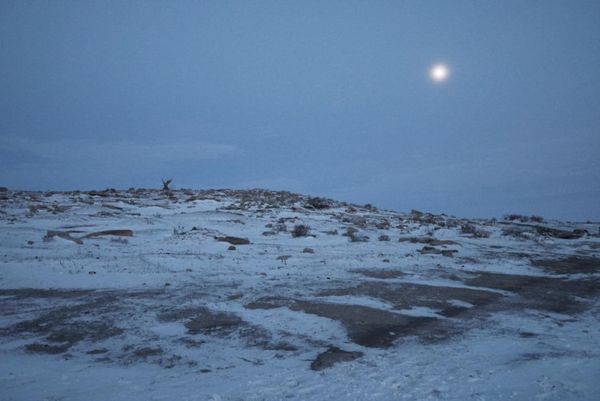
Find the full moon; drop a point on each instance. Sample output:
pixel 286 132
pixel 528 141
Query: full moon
pixel 439 72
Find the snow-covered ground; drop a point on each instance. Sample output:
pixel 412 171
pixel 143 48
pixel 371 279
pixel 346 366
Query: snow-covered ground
pixel 366 305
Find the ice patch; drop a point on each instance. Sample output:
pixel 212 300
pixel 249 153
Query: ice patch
pixel 420 311
pixel 459 303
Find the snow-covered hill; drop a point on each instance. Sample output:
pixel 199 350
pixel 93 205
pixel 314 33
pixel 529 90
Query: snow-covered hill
pixel 260 295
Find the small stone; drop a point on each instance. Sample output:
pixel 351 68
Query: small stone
pixel 231 248
pixel 308 250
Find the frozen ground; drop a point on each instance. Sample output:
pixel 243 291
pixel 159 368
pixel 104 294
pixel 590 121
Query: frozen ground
pixel 368 305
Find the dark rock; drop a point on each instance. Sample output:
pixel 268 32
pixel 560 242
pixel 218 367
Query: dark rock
pixel 317 203
pixel 234 240
pixel 473 231
pixel 529 230
pixel 560 234
pixel 370 207
pixel 430 250
pixel 97 351
pixel 332 356
pixel 352 233
pixel 514 217
pixel 300 230
pixel 359 238
pixel 427 240
pixel 145 352
pixel 383 225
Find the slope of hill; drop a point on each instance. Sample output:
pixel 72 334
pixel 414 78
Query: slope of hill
pixel 261 295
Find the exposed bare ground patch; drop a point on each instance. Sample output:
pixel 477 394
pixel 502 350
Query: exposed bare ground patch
pixel 22 293
pixel 366 326
pixel 67 318
pixel 407 295
pixel 201 320
pixel 64 327
pixel 545 293
pixel 267 303
pixel 380 273
pixel 569 265
pixel 210 322
pixel 39 348
pixel 371 327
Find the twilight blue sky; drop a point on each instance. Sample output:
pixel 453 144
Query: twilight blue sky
pixel 327 98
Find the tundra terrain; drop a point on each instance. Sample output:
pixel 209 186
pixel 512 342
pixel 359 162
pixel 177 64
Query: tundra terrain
pixel 262 295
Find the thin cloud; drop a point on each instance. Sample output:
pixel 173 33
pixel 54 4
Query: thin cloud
pixel 120 152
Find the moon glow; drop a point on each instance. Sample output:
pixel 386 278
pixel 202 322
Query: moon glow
pixel 439 72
